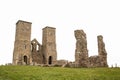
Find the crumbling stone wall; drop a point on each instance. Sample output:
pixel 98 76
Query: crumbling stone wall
pixel 61 62
pixel 81 52
pixel 36 52
pixel 94 61
pixel 102 51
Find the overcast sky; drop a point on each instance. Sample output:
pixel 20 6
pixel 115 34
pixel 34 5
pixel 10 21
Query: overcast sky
pixel 95 17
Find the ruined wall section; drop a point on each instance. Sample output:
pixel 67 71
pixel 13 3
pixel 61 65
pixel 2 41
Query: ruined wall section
pixel 101 59
pixel 36 52
pixel 102 51
pixel 81 52
pixel 94 61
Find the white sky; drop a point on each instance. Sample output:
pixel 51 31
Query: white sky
pixel 95 17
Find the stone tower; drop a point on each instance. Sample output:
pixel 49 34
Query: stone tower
pixel 81 52
pixel 22 44
pixel 101 51
pixel 49 45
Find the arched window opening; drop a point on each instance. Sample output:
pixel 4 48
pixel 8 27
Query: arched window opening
pixel 37 47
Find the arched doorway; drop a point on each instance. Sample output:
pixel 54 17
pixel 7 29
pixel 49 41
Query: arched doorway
pixel 25 59
pixel 50 60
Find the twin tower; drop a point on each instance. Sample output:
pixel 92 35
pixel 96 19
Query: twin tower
pixel 32 52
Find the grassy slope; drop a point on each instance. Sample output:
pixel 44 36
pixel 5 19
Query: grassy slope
pixel 57 73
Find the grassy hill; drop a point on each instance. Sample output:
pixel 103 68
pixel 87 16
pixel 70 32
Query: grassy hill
pixel 57 73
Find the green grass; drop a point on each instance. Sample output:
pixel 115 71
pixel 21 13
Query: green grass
pixel 57 73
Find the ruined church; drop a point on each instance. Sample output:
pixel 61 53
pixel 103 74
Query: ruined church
pixel 30 52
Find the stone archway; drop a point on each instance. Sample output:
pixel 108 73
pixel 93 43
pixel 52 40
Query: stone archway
pixel 25 59
pixel 50 60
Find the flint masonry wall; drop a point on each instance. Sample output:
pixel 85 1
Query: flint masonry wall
pixel 81 52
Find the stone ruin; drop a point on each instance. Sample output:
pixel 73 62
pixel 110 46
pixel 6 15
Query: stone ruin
pixel 81 52
pixel 27 52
